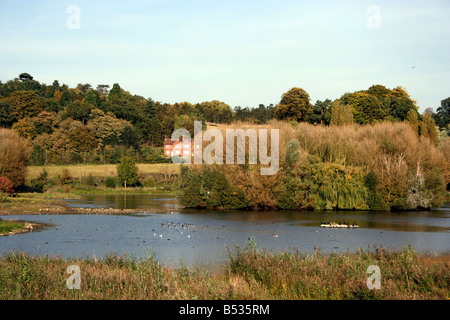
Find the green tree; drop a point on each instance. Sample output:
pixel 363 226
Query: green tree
pixel 25 76
pixel 116 92
pixel 442 116
pixel 294 105
pixel 78 110
pixel 127 171
pixel 322 112
pixel 400 104
pixel 91 98
pixel 428 128
pixel 367 108
pixel 6 116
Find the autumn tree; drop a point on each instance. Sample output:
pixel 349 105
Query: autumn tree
pixel 294 105
pixel 106 127
pixel 25 129
pixel 13 156
pixel 82 140
pixel 25 104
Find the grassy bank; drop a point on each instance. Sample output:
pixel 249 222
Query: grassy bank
pixel 10 226
pixel 251 274
pixel 43 191
pixel 101 179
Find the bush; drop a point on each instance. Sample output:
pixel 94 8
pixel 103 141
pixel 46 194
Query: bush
pixel 65 177
pixel 39 183
pixel 110 182
pixel 90 180
pixel 6 186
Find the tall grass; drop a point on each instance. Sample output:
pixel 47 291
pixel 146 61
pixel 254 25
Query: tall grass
pixel 251 274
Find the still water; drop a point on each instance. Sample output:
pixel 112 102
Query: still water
pixel 200 237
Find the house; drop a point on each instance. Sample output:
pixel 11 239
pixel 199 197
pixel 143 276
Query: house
pixel 181 148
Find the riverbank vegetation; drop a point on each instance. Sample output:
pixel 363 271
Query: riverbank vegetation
pixel 7 226
pixel 250 274
pixel 369 149
pixel 382 166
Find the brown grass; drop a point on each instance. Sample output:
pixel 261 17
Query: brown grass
pixel 103 170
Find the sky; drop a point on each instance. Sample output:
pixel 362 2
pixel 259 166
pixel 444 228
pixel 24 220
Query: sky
pixel 241 52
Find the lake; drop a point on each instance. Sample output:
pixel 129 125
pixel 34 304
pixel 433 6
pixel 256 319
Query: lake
pixel 200 237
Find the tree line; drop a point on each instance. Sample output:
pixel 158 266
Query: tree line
pixel 100 125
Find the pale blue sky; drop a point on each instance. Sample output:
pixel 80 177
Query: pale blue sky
pixel 240 52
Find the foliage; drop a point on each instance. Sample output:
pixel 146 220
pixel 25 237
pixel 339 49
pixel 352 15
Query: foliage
pixel 294 105
pixel 208 187
pixel 6 185
pixel 442 116
pixel 110 182
pixel 65 178
pixel 25 129
pixel 25 103
pixel 341 114
pixel 321 112
pixel 127 171
pixel 40 182
pixel 343 168
pixel 13 156
pixel 428 128
pixel 379 103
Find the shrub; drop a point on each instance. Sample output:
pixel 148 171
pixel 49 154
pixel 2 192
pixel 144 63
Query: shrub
pixel 110 182
pixel 39 183
pixel 90 180
pixel 65 177
pixel 6 185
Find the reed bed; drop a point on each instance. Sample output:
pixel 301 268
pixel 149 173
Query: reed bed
pixel 251 274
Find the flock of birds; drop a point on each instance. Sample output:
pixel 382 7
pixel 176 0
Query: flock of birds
pixel 178 225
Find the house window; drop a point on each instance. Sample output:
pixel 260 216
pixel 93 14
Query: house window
pixel 186 152
pixel 177 152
